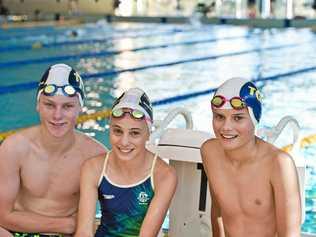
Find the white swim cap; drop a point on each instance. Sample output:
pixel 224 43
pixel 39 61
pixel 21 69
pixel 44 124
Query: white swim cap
pixel 63 80
pixel 246 91
pixel 135 99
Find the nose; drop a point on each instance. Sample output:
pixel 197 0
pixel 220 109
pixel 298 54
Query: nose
pixel 125 139
pixel 57 113
pixel 227 125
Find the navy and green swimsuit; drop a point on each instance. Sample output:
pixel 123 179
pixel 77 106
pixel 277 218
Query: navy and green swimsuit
pixel 123 207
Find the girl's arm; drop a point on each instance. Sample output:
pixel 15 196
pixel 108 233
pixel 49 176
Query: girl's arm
pixel 165 182
pixel 88 197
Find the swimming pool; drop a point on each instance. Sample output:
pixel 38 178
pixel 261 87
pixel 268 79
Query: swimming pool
pixel 177 65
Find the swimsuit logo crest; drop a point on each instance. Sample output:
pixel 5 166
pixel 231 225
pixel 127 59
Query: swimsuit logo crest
pixel 143 198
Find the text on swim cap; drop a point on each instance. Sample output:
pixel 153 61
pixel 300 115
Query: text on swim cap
pixel 256 92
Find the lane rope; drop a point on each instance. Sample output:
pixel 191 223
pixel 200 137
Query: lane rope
pixel 33 84
pixel 108 53
pixel 39 44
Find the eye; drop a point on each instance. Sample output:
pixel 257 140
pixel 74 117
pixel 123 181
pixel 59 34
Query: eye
pixel 68 106
pixel 219 117
pixel 49 105
pixel 135 133
pixel 238 118
pixel 117 131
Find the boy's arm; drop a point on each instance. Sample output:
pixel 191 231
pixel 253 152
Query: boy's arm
pixel 22 221
pixel 286 191
pixel 216 217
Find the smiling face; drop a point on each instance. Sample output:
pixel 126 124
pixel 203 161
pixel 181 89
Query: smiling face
pixel 128 136
pixel 233 128
pixel 58 114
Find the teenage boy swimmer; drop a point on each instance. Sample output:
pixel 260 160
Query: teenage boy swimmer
pixel 40 166
pixel 254 185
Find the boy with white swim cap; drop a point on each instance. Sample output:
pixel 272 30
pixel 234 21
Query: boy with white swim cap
pixel 253 184
pixel 240 93
pixel 40 166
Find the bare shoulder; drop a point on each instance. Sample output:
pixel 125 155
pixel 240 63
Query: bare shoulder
pixel 164 174
pixel 20 142
pixel 279 160
pixel 90 146
pixel 93 166
pixel 209 148
pixel 95 161
pixel 282 160
pixel 24 136
pixel 209 144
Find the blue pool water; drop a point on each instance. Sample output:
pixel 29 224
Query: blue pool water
pixel 167 62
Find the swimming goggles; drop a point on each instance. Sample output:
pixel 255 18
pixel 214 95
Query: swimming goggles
pixel 134 113
pixel 68 90
pixel 236 102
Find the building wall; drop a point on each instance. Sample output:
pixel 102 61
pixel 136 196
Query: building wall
pixel 92 6
pixel 222 8
pixel 59 6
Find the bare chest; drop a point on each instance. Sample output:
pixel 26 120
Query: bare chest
pixel 50 177
pixel 246 193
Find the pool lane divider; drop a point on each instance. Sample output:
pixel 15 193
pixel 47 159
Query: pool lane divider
pixel 33 85
pixel 107 53
pixel 17 33
pixel 39 44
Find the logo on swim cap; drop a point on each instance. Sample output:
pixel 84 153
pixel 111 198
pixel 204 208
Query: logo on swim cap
pixel 246 91
pixel 61 79
pixel 252 97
